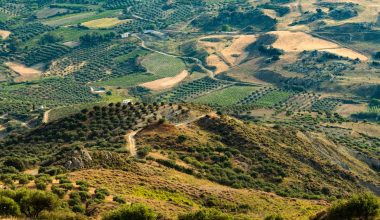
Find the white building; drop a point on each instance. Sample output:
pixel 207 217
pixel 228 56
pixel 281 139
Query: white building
pixel 125 35
pixel 126 101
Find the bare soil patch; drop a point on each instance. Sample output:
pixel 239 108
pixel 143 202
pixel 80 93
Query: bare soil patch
pixel 166 83
pixel 4 34
pixel 25 73
pixel 71 44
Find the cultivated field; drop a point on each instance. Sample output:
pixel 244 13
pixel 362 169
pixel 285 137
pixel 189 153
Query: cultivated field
pixel 163 66
pixel 73 19
pixel 103 23
pixel 227 96
pixel 167 82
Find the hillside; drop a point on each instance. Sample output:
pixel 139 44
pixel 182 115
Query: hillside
pixel 189 147
pixel 190 109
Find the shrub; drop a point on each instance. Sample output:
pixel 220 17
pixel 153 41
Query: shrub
pixel 134 211
pixel 363 206
pixel 8 207
pixel 33 202
pixel 23 180
pixel 40 185
pixel 58 191
pixel 61 215
pixel 78 208
pixel 274 217
pixel 119 199
pixel 15 162
pixel 84 196
pixel 205 214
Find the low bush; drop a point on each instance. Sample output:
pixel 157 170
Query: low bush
pixel 134 211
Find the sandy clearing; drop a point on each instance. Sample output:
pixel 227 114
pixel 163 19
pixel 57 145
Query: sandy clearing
pixel 4 34
pixel 26 73
pixel 235 52
pixel 300 41
pixel 218 63
pixel 166 83
pixel 344 52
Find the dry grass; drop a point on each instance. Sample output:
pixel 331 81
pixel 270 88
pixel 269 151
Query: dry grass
pixel 218 63
pixel 103 23
pixel 151 184
pixel 166 83
pixel 235 53
pixel 348 109
pixel 4 34
pixel 347 53
pixel 369 129
pixel 228 51
pixel 300 41
pixel 25 73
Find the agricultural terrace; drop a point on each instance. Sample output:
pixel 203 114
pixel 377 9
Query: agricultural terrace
pixel 163 66
pixel 226 97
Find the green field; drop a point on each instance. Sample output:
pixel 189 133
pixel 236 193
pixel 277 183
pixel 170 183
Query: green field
pixel 163 66
pixel 80 18
pixel 270 99
pixel 134 53
pixel 128 81
pixel 227 96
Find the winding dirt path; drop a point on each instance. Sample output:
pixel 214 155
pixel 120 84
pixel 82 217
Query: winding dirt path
pixel 45 119
pixel 131 142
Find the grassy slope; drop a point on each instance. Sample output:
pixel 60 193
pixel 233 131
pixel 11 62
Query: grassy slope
pixel 170 192
pixel 310 161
